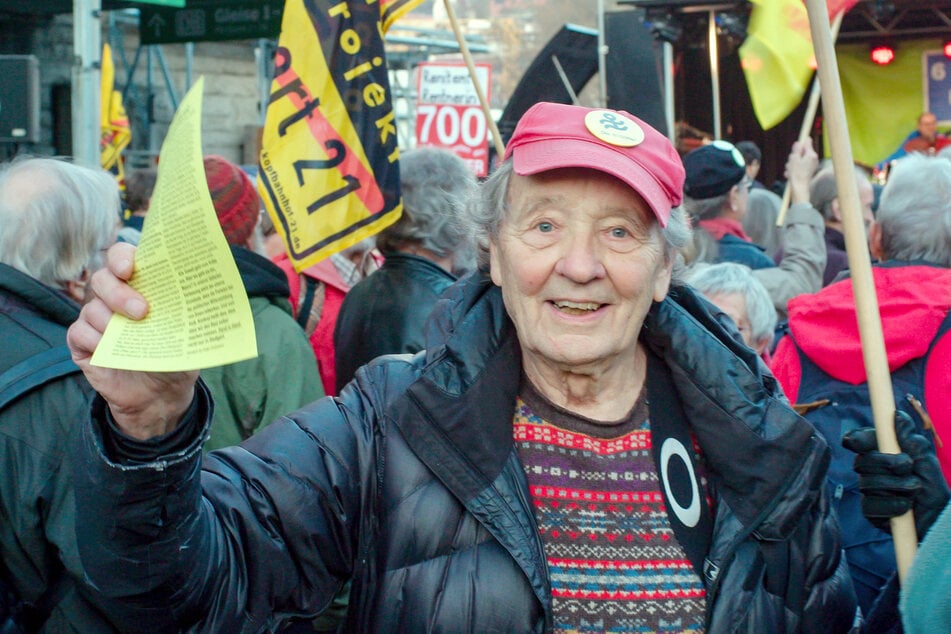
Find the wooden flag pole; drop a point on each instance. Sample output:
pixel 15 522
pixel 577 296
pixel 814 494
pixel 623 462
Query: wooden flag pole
pixel 464 49
pixel 866 303
pixel 807 120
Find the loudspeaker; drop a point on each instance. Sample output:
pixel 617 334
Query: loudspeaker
pixel 19 99
pixel 633 68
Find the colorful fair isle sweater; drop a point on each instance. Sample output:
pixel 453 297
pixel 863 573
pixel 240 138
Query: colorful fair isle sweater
pixel 614 562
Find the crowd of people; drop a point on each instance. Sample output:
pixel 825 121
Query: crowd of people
pixel 614 387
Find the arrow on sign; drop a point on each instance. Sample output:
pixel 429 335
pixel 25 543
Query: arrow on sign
pixel 156 23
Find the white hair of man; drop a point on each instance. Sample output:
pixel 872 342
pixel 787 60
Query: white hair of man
pixel 914 213
pixel 56 218
pixel 728 278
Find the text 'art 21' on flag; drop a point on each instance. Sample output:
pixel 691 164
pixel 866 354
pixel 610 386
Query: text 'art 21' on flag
pixel 777 56
pixel 328 171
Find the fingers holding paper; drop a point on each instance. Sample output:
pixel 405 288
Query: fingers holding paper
pixel 143 404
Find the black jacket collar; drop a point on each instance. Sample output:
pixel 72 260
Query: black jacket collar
pixel 52 304
pixel 458 414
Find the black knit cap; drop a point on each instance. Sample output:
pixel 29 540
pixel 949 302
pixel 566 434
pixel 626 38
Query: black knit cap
pixel 713 169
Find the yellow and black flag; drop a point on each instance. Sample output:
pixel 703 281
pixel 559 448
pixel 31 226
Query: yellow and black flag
pixel 328 171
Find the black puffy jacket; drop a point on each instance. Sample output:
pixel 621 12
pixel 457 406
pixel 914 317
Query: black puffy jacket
pixel 408 483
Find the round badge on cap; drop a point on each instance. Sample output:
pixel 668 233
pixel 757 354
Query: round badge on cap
pixel 614 128
pixel 726 146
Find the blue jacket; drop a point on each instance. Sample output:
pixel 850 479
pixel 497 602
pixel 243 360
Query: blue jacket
pixel 409 484
pixel 734 249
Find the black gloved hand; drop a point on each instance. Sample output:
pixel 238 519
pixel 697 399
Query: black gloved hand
pixel 891 484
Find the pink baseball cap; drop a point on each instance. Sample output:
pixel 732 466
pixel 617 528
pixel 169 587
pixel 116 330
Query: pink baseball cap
pixel 552 136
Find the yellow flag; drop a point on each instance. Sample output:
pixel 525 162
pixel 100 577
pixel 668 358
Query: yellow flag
pixel 777 58
pixel 392 10
pixel 328 171
pixel 116 133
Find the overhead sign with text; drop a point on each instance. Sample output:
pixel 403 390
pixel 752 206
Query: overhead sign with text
pixel 448 114
pixel 211 21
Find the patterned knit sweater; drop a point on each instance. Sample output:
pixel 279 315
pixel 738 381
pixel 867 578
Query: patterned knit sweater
pixel 614 562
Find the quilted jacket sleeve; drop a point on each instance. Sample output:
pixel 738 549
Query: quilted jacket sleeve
pixel 259 532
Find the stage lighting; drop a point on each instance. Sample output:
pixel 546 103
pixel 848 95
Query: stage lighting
pixel 882 54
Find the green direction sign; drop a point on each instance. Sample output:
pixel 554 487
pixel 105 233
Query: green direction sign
pixel 207 21
pixel 167 3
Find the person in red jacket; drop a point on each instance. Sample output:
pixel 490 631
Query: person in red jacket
pixel 911 238
pixel 929 140
pixel 820 363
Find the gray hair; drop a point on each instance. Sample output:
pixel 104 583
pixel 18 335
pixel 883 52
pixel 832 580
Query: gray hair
pixel 759 223
pixel 490 209
pixel 823 189
pixel 729 278
pixel 915 210
pixel 436 186
pixel 706 208
pixel 56 218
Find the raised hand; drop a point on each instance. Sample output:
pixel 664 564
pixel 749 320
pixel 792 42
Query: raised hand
pixel 800 167
pixel 143 404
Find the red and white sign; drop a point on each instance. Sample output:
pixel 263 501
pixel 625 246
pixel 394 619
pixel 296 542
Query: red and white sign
pixel 448 114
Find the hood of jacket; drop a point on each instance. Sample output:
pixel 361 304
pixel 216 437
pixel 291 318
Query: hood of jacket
pixel 262 278
pixel 913 299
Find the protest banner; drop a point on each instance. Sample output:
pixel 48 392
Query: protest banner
pixel 329 163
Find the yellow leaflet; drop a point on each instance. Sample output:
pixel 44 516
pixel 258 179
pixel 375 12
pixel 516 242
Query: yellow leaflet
pixel 199 315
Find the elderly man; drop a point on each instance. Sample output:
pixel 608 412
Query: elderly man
pixel 56 221
pixel 821 361
pixel 385 313
pixel 533 470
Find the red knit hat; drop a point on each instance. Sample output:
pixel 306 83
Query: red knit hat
pixel 235 198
